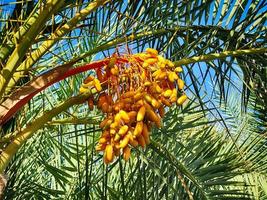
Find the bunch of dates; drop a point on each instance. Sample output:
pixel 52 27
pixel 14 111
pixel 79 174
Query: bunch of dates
pixel 135 91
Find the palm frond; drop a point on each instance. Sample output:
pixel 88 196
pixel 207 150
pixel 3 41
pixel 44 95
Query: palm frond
pixel 209 149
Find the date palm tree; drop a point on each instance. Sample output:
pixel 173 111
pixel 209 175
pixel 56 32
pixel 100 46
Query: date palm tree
pixel 213 147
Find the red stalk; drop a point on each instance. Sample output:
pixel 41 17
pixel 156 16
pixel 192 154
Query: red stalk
pixel 24 94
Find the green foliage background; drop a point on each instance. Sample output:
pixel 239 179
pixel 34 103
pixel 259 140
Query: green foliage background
pixel 213 147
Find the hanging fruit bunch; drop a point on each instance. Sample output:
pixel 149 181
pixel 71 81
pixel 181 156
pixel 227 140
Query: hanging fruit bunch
pixel 134 92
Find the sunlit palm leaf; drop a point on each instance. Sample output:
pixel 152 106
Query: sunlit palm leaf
pixel 204 147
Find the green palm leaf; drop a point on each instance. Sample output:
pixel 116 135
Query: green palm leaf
pixel 212 148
